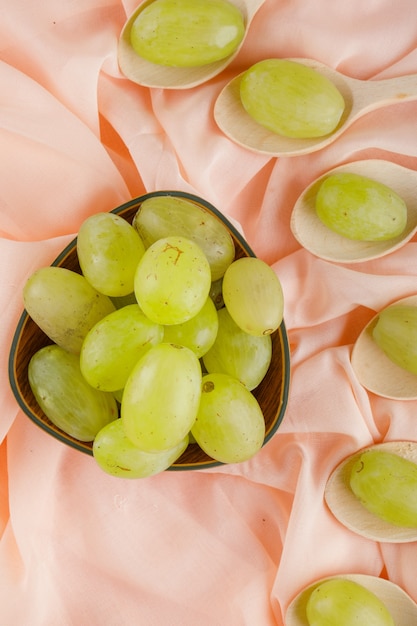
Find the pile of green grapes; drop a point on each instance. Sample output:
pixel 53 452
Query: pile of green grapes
pixel 162 337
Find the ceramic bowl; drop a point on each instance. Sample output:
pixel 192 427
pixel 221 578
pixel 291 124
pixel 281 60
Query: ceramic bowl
pixel 272 393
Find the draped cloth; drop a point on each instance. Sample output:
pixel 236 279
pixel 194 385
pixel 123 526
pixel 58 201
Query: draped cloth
pixel 233 544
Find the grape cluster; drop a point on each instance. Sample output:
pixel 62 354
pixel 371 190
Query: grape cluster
pixel 138 329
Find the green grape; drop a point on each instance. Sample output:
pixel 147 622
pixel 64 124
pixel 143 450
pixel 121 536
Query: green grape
pixel 291 99
pixel 360 208
pixel 117 455
pixel 237 353
pixel 187 33
pixel 172 280
pixel 230 426
pixel 198 333
pixel 163 216
pixel 161 397
pixel 64 305
pixel 109 249
pixel 386 485
pixel 64 395
pixel 115 344
pixel 395 332
pixel 343 602
pixel 253 296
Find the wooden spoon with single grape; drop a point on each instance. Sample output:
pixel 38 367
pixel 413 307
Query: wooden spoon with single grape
pixel 149 74
pixel 351 513
pixel 402 608
pixel 360 96
pixel 318 239
pixel 375 371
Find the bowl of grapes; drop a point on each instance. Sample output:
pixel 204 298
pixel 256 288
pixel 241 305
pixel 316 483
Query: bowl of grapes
pixel 155 340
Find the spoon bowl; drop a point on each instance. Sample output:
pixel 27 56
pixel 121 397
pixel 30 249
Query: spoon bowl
pixel 402 608
pixel 360 96
pixel 375 371
pixel 148 74
pixel 351 513
pixel 321 241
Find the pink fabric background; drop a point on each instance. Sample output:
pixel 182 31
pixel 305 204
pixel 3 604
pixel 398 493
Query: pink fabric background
pixel 231 545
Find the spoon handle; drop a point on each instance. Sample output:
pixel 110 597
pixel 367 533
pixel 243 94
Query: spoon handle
pixel 374 94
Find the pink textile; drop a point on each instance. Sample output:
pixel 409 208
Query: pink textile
pixel 232 545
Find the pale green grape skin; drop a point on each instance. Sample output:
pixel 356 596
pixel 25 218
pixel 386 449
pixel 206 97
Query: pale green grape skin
pixel 230 426
pixel 187 33
pixel 64 395
pixel 118 395
pixel 161 397
pixel 360 208
pixel 395 332
pixel 64 305
pixel 115 344
pixel 109 249
pixel 199 333
pixel 116 455
pixel 163 216
pixel 291 99
pixel 172 280
pixel 386 485
pixel 235 352
pixel 253 295
pixel 343 602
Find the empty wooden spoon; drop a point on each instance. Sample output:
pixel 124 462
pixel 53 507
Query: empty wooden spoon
pixel 318 239
pixel 402 608
pixel 149 74
pixel 351 513
pixel 375 371
pixel 361 96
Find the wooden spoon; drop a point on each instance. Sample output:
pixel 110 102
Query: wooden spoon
pixel 375 371
pixel 313 235
pixel 361 96
pixel 351 513
pixel 149 74
pixel 402 608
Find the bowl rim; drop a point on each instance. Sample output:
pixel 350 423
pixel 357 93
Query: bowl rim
pixel 69 248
